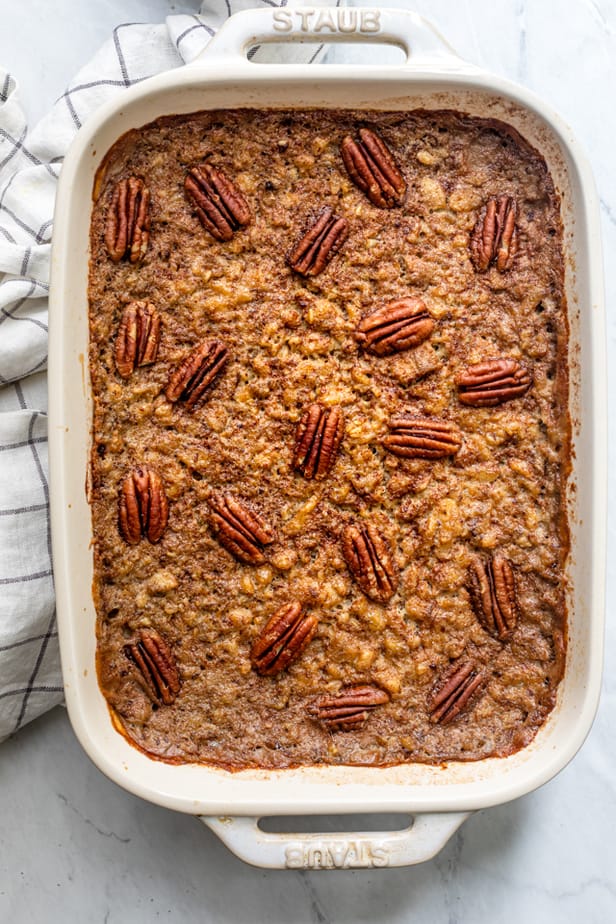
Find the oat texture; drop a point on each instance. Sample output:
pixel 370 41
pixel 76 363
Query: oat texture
pixel 292 343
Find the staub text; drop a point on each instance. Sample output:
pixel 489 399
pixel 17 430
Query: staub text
pixel 327 20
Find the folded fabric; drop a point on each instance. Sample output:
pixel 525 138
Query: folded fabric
pixel 30 677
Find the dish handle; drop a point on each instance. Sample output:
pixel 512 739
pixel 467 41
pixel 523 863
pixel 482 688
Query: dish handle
pixel 420 841
pixel 423 45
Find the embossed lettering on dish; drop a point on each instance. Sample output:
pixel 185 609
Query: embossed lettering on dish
pixel 345 21
pixel 336 855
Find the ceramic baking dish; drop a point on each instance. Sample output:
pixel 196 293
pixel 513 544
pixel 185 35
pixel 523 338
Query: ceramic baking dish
pixel 438 798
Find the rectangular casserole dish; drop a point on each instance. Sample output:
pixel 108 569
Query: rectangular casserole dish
pixel 440 797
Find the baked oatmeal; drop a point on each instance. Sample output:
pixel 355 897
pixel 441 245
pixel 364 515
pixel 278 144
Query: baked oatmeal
pixel 330 437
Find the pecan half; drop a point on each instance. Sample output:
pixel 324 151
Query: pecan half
pixel 371 166
pixel 128 221
pixel 318 245
pixel 369 560
pixel 493 382
pixel 494 239
pixel 350 709
pixel 317 440
pixel 196 372
pixel 143 507
pixel 282 639
pixel 422 437
pixel 220 206
pixel 491 587
pixel 137 339
pixel 397 326
pixel 154 658
pixel 239 530
pixel 454 691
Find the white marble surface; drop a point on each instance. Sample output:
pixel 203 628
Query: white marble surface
pixel 74 847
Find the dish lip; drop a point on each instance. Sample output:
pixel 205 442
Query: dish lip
pixel 327 795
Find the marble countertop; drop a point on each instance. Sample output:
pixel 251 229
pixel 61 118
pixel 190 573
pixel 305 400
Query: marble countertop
pixel 75 847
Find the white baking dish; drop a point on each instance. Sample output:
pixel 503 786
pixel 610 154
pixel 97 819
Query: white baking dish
pixel 439 797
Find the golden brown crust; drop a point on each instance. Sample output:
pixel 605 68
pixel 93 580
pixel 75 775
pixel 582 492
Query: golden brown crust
pixel 292 345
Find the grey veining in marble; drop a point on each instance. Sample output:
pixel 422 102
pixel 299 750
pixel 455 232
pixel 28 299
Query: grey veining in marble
pixel 76 848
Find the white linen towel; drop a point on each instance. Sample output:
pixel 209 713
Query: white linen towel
pixel 30 677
